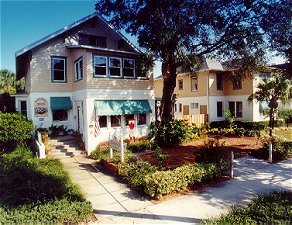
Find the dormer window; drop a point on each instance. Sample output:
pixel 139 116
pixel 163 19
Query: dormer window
pixel 92 40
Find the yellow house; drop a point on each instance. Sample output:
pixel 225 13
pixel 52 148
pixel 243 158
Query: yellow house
pixel 210 91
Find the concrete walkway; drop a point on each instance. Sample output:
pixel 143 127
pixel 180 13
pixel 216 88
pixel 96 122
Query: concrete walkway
pixel 114 203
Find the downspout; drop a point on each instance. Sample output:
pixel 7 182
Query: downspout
pixel 208 102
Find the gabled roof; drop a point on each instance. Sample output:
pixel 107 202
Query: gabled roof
pixel 69 27
pixel 211 64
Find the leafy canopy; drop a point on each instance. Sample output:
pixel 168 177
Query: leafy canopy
pixel 181 32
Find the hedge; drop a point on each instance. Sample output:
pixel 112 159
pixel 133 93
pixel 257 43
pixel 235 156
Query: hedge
pixel 248 125
pixel 14 129
pixel 164 182
pixel 38 191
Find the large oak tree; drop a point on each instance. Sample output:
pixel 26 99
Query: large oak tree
pixel 181 32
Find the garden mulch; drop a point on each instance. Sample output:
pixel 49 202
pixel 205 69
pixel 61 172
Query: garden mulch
pixel 186 153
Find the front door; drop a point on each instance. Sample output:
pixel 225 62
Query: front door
pixel 203 110
pixel 79 116
pixel 186 110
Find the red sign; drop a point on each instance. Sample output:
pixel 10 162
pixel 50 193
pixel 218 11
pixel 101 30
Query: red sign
pixel 131 124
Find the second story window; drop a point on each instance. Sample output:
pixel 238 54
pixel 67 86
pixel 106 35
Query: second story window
pixel 100 66
pixel 180 84
pixel 219 82
pixel 237 84
pixel 58 69
pixel 129 68
pixel 194 83
pixel 78 69
pixel 115 67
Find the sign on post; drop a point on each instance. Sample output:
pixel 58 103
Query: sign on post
pixel 118 145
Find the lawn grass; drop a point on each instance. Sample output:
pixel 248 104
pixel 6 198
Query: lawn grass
pixel 273 208
pixel 284 133
pixel 38 191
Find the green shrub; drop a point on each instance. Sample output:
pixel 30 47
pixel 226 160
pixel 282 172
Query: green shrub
pixel 171 133
pixel 135 172
pixel 160 156
pixel 100 153
pixel 247 125
pixel 286 115
pixel 274 208
pixel 104 153
pixel 213 152
pixel 139 146
pixel 164 182
pixel 281 150
pixel 38 191
pixel 28 180
pixel 239 132
pixel 53 212
pixel 14 129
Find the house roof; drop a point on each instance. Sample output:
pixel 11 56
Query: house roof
pixel 211 64
pixel 207 64
pixel 69 27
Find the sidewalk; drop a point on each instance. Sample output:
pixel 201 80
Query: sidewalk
pixel 114 203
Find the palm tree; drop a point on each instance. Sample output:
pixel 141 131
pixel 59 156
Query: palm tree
pixel 7 82
pixel 272 91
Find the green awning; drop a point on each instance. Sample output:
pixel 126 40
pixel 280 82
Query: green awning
pixel 60 103
pixel 121 107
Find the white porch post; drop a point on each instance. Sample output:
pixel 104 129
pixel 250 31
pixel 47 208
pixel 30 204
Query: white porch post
pixel 88 137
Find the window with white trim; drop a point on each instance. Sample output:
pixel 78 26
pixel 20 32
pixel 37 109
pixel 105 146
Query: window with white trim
pixel 58 69
pixel 236 109
pixel 194 105
pixel 22 107
pixel 100 65
pixel 219 109
pixel 115 66
pixel 60 115
pixel 116 121
pixel 141 119
pixel 78 69
pixel 194 83
pixel 129 68
pixel 180 107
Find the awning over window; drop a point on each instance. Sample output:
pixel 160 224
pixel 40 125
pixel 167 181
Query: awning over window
pixel 121 107
pixel 60 103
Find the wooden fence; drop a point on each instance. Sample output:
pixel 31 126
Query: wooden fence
pixel 198 119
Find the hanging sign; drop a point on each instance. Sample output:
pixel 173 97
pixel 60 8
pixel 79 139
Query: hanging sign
pixel 40 107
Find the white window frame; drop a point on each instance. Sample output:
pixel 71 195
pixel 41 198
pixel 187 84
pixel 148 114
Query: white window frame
pixel 194 89
pixel 53 58
pixel 106 66
pixel 134 72
pixel 222 112
pixel 78 69
pixel 109 66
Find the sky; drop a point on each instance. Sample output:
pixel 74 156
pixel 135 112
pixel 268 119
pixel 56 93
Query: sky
pixel 24 22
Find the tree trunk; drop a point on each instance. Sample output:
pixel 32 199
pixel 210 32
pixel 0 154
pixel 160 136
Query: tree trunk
pixel 169 84
pixel 271 122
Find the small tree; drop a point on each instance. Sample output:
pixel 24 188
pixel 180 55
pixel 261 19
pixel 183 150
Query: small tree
pixel 286 115
pixel 272 91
